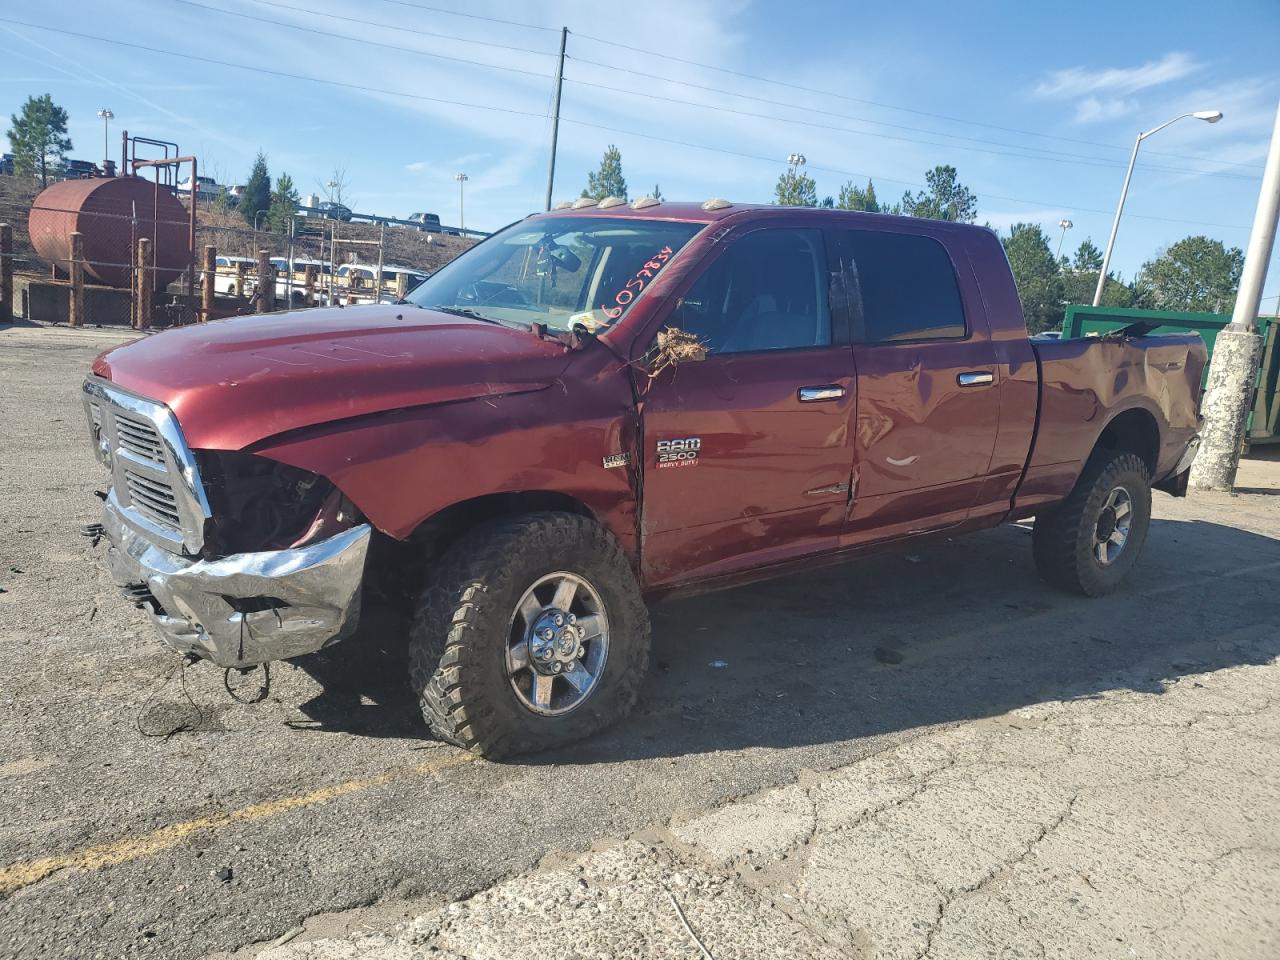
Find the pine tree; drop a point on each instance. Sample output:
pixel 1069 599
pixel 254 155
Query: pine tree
pixel 39 138
pixel 945 199
pixel 854 198
pixel 284 204
pixel 608 180
pixel 796 189
pixel 256 196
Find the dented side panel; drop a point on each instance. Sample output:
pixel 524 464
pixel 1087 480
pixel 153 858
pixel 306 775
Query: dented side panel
pixel 1087 382
pixel 402 468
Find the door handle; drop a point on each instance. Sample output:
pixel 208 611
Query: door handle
pixel 975 378
pixel 830 391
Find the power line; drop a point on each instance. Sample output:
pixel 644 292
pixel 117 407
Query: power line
pixel 870 176
pixel 1051 155
pixel 400 28
pixel 524 113
pixel 472 16
pixel 878 103
pixel 270 72
pixel 374 43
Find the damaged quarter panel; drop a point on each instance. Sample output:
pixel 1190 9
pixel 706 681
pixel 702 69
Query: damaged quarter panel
pixel 1087 383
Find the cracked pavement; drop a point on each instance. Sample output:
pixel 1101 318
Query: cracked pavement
pixel 1120 825
pixel 808 798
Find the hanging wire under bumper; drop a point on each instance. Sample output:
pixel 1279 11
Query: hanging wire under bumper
pixel 248 608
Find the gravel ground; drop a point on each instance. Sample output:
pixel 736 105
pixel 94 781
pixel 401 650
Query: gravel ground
pixel 329 796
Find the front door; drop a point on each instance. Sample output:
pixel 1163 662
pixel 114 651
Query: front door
pixel 928 385
pixel 747 454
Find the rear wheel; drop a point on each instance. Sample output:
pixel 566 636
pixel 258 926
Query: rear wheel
pixel 1090 542
pixel 531 635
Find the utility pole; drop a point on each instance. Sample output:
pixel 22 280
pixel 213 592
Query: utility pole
pixel 1233 371
pixel 555 117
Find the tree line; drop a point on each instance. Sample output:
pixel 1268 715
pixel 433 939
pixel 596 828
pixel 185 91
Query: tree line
pixel 1197 273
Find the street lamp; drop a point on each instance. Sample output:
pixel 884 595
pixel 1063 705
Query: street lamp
pixel 106 116
pixel 795 161
pixel 1065 225
pixel 1208 116
pixel 462 219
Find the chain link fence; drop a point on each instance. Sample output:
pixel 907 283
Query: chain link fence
pixel 105 264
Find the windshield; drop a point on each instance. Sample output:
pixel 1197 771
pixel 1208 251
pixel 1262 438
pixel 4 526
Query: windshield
pixel 562 272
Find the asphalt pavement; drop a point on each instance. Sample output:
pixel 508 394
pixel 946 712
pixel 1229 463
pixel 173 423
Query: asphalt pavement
pixel 150 814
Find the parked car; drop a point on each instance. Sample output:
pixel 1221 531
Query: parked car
pixel 207 189
pixel 600 406
pixel 427 222
pixel 225 276
pixel 334 211
pixel 356 282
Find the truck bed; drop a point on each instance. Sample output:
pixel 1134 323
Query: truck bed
pixel 1147 386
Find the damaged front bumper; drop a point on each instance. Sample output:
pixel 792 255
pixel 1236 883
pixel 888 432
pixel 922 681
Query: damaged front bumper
pixel 248 608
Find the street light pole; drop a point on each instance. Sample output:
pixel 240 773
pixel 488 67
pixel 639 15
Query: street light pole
pixel 1208 116
pixel 462 217
pixel 106 116
pixel 1233 371
pixel 1065 225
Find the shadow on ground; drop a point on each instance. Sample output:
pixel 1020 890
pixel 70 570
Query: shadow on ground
pixel 809 659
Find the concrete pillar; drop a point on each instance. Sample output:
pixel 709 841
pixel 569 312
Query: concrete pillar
pixel 266 283
pixel 402 285
pixel 206 282
pixel 309 285
pixel 146 285
pixel 1228 400
pixel 1233 370
pixel 6 273
pixel 75 317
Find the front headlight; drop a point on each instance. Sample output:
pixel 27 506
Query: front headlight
pixel 262 504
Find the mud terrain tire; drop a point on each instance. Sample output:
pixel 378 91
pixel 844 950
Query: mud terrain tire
pixel 463 624
pixel 1065 540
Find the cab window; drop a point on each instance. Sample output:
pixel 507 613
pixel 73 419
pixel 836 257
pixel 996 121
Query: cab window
pixel 767 291
pixel 903 287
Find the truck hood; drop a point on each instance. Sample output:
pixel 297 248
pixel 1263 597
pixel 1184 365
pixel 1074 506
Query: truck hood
pixel 235 382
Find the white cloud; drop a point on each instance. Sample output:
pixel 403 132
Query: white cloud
pixel 1117 81
pixel 1094 110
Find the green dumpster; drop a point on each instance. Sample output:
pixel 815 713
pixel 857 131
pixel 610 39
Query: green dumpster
pixel 1264 422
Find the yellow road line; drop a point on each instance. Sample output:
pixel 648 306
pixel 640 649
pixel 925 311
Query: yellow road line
pixel 19 875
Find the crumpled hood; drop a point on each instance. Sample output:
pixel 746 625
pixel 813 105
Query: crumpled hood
pixel 237 381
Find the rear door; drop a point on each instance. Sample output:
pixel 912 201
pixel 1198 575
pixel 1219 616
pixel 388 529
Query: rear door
pixel 928 384
pixel 747 453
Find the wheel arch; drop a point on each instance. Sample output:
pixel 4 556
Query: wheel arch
pixel 442 529
pixel 1135 431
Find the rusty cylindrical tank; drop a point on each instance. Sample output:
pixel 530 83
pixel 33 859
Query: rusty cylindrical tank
pixel 103 210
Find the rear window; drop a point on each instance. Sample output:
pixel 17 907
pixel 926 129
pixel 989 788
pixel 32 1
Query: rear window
pixel 904 288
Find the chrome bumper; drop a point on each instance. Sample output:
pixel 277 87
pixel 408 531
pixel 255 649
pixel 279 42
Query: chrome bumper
pixel 248 608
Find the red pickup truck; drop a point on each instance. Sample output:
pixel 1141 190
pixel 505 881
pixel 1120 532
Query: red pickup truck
pixel 603 405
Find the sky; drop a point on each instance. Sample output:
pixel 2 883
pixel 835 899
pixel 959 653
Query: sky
pixel 1036 105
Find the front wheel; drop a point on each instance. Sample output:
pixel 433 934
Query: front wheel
pixel 1090 542
pixel 532 634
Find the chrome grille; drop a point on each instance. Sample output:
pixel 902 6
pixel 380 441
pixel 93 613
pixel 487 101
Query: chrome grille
pixel 138 437
pixel 155 481
pixel 153 498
